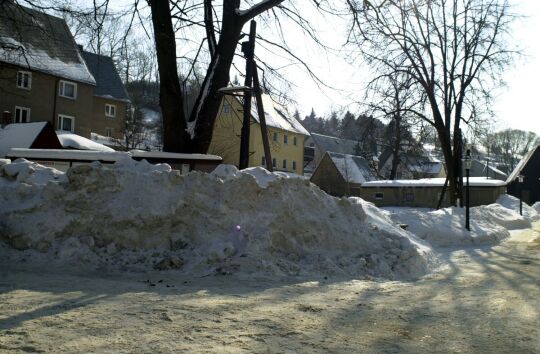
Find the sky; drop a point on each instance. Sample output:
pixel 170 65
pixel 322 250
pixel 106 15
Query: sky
pixel 515 105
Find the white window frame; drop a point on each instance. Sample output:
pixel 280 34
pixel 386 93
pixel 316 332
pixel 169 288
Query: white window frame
pixel 29 87
pixel 108 110
pixel 285 139
pixel 61 117
pixel 275 137
pixel 61 89
pixel 226 108
pixel 20 109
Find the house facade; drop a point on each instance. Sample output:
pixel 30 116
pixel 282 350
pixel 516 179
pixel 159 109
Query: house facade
pixel 285 134
pixel 45 76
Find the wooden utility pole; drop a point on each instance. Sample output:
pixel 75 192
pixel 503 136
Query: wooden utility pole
pixel 248 48
pixel 252 81
pixel 262 119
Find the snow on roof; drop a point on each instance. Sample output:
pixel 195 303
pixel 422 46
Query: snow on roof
pixel 55 154
pixel 517 171
pixel 19 135
pixel 278 116
pixel 74 141
pixel 327 143
pixel 433 182
pixel 354 169
pixel 171 155
pixel 41 42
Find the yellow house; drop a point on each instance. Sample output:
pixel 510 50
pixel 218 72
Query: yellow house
pixel 286 135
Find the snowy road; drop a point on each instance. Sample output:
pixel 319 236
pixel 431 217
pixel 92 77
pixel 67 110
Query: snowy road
pixel 485 300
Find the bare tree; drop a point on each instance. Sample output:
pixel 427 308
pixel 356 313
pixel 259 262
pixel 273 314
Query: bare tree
pixel 454 51
pixel 510 145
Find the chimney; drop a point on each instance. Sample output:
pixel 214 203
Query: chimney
pixel 80 47
pixel 6 118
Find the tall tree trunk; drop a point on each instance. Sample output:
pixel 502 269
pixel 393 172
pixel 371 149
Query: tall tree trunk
pixel 206 109
pixel 171 101
pixel 396 153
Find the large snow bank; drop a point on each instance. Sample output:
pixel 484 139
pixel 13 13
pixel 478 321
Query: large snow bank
pixel 136 214
pixel 512 203
pixel 536 206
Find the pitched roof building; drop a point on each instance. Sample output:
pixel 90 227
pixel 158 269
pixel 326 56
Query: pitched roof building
pixel 342 174
pixel 44 76
pixel 529 168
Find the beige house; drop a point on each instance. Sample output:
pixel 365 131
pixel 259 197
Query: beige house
pixel 285 134
pixel 45 76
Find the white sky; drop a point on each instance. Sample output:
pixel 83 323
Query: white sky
pixel 515 106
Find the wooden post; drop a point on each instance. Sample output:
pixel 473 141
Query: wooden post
pixel 248 48
pixel 262 118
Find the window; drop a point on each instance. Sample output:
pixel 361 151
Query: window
pixel 66 123
pixel 24 80
pixel 285 139
pixel 294 142
pixel 275 137
pixel 284 163
pixel 226 108
pixel 379 196
pixel 409 196
pixel 67 89
pixel 110 110
pixel 22 114
pixel 263 161
pixel 294 165
pixel 274 162
pixel 109 132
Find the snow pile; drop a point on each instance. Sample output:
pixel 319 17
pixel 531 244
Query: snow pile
pixel 446 227
pixel 535 206
pixel 512 203
pixel 74 141
pixel 27 172
pixel 261 175
pixel 140 215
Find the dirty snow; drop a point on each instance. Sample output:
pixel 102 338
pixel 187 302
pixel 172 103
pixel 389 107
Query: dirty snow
pixel 136 215
pixel 536 206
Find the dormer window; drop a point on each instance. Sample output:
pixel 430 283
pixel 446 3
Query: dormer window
pixel 67 89
pixel 110 110
pixel 24 80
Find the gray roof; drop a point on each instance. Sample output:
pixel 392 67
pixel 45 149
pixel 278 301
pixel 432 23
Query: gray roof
pixel 478 169
pixel 327 143
pixel 108 82
pixel 354 169
pixel 40 42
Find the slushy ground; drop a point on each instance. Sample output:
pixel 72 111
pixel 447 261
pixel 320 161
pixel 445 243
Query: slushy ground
pixel 484 300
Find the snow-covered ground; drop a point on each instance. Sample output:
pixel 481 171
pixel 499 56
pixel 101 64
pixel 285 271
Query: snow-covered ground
pixel 137 216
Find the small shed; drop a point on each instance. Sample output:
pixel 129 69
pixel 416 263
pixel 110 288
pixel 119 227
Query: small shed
pixel 426 192
pixel 37 135
pixel 529 168
pixel 342 174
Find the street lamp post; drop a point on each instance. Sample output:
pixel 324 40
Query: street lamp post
pixel 520 180
pixel 467 164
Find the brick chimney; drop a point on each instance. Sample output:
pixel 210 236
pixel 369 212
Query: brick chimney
pixel 6 118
